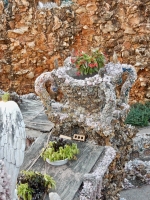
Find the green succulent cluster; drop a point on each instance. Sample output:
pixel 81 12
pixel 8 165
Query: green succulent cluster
pixel 33 185
pixel 58 150
pixel 139 115
pixel 5 97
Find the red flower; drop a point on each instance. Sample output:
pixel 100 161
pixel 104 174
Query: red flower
pixel 78 73
pixel 90 65
pixel 72 60
pixel 105 55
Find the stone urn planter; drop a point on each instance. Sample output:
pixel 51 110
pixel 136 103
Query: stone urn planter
pixel 95 108
pixel 88 105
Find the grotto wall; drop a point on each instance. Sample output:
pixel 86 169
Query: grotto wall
pixel 31 38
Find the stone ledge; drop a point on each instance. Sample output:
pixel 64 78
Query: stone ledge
pixel 141 144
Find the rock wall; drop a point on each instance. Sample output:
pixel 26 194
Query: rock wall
pixel 35 42
pixel 32 38
pixel 4 53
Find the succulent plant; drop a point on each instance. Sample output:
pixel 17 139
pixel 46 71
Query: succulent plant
pixel 88 63
pixel 33 185
pixel 59 150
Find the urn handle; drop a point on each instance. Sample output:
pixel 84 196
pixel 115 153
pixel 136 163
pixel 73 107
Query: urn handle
pixel 41 91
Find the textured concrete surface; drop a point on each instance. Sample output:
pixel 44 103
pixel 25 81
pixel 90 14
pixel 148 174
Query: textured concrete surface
pixel 142 193
pixel 144 130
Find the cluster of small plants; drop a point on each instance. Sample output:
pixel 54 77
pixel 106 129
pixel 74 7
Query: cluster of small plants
pixel 58 143
pixel 5 97
pixel 11 97
pixel 59 150
pixel 139 114
pixel 33 185
pixel 4 183
pixel 88 63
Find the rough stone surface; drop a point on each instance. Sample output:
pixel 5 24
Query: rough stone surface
pixel 91 107
pixel 138 168
pixel 33 36
pixel 138 173
pixel 94 181
pixel 141 144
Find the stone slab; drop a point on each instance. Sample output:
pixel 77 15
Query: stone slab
pixel 33 133
pixel 145 130
pixel 34 115
pixel 68 177
pixel 33 152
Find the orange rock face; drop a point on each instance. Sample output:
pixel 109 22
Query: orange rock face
pixel 33 38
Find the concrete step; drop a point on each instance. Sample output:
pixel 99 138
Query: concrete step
pixel 142 193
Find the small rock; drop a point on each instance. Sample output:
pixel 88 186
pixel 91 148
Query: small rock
pixel 54 196
pixel 30 75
